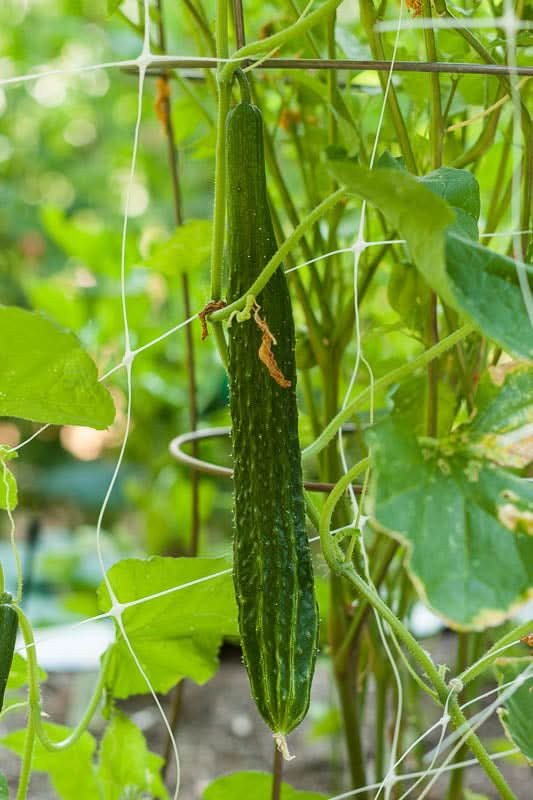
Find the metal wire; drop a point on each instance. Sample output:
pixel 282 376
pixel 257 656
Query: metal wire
pixel 450 68
pixel 177 444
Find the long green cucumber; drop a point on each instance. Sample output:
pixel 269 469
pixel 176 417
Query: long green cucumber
pixel 273 575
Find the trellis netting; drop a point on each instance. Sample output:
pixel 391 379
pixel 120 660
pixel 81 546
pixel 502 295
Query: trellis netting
pixel 90 406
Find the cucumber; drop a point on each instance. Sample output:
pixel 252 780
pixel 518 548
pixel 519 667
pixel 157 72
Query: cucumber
pixel 8 636
pixel 273 575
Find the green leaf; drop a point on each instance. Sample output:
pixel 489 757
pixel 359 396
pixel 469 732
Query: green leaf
pixel 485 286
pixel 18 674
pixel 501 428
pixel 256 785
pixel 187 249
pixel 470 278
pixel 457 186
pixel 398 195
pixel 46 376
pixel 4 788
pixel 517 714
pixel 464 522
pixel 126 766
pixel 71 771
pixel 8 484
pixel 95 246
pixel 174 636
pixel 112 6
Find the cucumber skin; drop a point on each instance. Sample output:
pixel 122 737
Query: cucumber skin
pixel 8 635
pixel 272 568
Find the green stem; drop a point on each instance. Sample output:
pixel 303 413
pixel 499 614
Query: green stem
pixel 219 209
pixel 337 563
pixel 277 40
pixel 436 102
pixel 261 281
pixel 244 86
pixel 492 214
pixel 455 785
pixel 432 338
pixel 34 694
pixel 290 209
pixel 495 651
pixel 368 18
pixel 219 204
pixel 380 726
pixel 313 326
pixel 347 688
pixel 202 25
pixel 363 609
pixel 27 757
pixel 396 375
pixel 309 401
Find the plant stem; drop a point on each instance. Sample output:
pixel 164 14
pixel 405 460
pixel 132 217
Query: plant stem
pixel 364 608
pixel 201 25
pixel 34 693
pixel 278 39
pixel 396 375
pixel 455 785
pixel 27 757
pixel 190 356
pixel 219 204
pixel 380 727
pixel 277 773
pixel 261 281
pixel 509 638
pixel 436 103
pixel 313 326
pixel 346 682
pixel 432 369
pixel 335 559
pixel 368 19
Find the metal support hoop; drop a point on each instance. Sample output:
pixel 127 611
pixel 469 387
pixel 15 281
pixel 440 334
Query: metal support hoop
pixel 176 448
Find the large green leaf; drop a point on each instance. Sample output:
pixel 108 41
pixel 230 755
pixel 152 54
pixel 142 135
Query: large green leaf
pixel 481 284
pixel 485 286
pixel 253 785
pixel 174 636
pixel 71 771
pixel 8 484
pixel 417 213
pixel 465 523
pixel 517 714
pixel 46 376
pixel 126 766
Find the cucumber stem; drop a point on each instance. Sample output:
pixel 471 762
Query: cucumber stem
pixel 244 86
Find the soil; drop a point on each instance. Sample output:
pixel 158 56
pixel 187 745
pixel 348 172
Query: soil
pixel 219 732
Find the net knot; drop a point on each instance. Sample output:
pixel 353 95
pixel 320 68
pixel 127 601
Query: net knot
pixel 359 246
pixel 456 685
